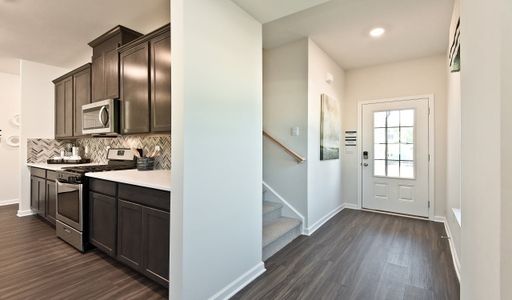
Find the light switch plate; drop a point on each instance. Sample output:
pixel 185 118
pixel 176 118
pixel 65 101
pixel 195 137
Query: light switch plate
pixel 295 131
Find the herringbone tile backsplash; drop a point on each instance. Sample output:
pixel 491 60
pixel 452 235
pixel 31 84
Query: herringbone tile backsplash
pixel 39 150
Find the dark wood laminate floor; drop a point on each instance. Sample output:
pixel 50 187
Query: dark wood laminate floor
pixel 34 264
pixel 362 255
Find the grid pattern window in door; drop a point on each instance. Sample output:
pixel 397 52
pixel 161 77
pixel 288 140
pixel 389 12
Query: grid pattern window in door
pixel 393 151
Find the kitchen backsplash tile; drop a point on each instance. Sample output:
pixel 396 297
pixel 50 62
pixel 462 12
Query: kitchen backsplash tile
pixel 39 150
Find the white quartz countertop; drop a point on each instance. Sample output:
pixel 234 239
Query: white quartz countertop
pixel 156 179
pixel 54 167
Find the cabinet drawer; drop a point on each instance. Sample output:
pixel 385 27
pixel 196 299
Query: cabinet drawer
pixel 51 175
pixel 145 196
pixel 41 173
pixel 103 187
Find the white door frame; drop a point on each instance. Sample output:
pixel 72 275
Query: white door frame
pixel 431 147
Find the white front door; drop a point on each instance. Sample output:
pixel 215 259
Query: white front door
pixel 395 158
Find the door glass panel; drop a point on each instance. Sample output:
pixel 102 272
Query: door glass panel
pixel 406 169
pixel 406 152
pixel 379 151
pixel 380 119
pixel 380 168
pixel 380 136
pixel 407 135
pixel 393 168
pixel 394 143
pixel 393 135
pixel 407 117
pixel 393 118
pixel 394 151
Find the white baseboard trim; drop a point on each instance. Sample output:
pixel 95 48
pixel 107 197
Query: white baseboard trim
pixel 351 206
pixel 239 283
pixel 455 256
pixel 24 213
pixel 9 202
pixel 311 229
pixel 439 219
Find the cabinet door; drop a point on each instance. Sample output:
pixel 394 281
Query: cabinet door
pixel 82 96
pixel 135 89
pixel 111 65
pixel 103 222
pixel 98 78
pixel 129 234
pixel 34 193
pixel 51 201
pixel 156 244
pixel 161 83
pixel 38 195
pixel 64 108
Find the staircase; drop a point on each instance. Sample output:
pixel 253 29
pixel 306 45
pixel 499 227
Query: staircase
pixel 278 231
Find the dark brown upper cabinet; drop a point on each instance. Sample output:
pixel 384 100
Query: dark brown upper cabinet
pixel 145 86
pixel 72 90
pixel 161 82
pixel 135 89
pixel 105 62
pixel 64 107
pixel 81 96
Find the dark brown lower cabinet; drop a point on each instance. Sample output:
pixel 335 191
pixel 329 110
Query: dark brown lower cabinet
pixel 38 195
pixel 103 222
pixel 43 194
pixel 51 201
pixel 129 234
pixel 155 236
pixel 143 240
pixel 131 224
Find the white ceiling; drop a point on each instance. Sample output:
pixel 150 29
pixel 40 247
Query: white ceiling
pixel 270 10
pixel 56 32
pixel 415 28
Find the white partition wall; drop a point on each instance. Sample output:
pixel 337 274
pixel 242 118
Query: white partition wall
pixel 216 208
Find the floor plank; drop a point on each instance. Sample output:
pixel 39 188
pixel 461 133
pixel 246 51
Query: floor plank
pixel 35 264
pixel 362 255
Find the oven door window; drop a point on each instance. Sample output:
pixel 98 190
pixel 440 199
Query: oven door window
pixel 69 202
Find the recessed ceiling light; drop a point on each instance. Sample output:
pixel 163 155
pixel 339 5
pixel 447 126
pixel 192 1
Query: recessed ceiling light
pixel 377 32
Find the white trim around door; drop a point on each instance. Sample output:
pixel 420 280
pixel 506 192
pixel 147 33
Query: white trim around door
pixel 431 146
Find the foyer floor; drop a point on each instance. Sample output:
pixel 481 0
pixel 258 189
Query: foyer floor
pixel 34 264
pixel 362 255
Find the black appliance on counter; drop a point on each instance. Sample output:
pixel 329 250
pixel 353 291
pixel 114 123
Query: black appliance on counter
pixel 72 192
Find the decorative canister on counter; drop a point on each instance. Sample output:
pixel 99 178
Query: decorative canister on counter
pixel 145 163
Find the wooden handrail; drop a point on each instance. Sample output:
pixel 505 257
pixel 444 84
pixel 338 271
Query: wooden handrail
pixel 294 154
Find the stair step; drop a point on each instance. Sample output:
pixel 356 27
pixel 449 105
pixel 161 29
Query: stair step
pixel 277 229
pixel 271 212
pixel 269 207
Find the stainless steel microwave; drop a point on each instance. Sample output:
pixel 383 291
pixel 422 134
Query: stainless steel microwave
pixel 101 118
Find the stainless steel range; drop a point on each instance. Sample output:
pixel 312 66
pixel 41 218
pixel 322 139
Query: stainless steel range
pixel 72 202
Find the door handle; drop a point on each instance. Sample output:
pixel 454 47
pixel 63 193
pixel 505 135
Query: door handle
pixel 102 117
pixel 365 164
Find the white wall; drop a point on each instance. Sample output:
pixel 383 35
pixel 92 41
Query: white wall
pixel 481 111
pixel 506 149
pixel 453 140
pixel 37 115
pixel 9 156
pixel 324 177
pixel 408 78
pixel 285 105
pixel 216 225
